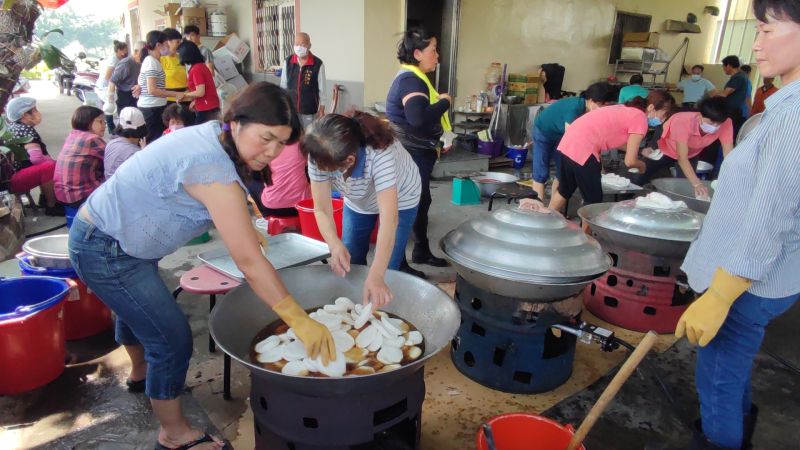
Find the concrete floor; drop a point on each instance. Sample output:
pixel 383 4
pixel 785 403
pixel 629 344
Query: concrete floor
pixel 88 407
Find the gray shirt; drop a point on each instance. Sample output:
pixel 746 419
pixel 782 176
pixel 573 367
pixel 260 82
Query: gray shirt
pixel 752 229
pixel 375 171
pixel 126 73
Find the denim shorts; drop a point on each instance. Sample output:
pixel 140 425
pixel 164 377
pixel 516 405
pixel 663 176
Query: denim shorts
pixel 146 313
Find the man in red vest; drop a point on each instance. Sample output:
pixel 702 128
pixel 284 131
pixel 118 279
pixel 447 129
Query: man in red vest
pixel 303 75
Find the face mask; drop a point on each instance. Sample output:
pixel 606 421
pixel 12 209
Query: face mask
pixel 164 51
pixel 696 77
pixel 708 128
pixel 300 51
pixel 653 121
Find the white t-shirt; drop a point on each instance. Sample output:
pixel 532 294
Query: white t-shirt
pixel 151 67
pixel 380 170
pixel 111 62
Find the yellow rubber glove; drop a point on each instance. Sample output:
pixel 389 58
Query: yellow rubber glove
pixel 703 319
pixel 314 335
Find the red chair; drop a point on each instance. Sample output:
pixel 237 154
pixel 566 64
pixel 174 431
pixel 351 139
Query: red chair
pixel 203 280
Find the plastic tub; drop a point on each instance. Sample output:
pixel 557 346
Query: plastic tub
pixel 308 223
pixel 84 314
pixel 70 212
pixel 517 154
pixel 520 431
pixel 31 332
pixel 491 148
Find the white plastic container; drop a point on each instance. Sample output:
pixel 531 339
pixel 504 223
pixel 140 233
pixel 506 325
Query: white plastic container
pixel 218 24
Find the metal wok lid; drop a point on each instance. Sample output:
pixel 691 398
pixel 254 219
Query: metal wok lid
pixel 679 225
pixel 55 246
pixel 681 189
pixel 525 246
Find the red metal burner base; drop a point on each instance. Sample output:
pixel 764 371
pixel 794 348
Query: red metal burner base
pixel 637 302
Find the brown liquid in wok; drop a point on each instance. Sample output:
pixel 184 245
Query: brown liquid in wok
pixel 279 327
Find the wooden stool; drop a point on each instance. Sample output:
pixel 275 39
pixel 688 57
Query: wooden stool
pixel 203 280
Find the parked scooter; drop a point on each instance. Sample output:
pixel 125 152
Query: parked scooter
pixel 85 80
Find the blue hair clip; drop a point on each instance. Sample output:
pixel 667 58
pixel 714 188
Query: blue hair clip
pixel 226 126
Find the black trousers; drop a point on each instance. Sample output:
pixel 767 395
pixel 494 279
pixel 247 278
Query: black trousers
pixel 124 100
pixel 587 178
pixel 425 161
pixel 153 121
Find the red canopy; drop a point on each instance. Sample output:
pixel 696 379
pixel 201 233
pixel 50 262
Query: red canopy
pixel 52 4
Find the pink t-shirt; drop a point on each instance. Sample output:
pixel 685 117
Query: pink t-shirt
pixel 685 127
pixel 289 181
pixel 600 130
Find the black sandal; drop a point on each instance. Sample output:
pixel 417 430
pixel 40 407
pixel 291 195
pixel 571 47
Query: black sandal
pixel 136 386
pixel 206 438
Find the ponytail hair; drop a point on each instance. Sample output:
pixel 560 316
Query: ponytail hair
pixel 152 39
pixel 417 38
pixel 334 137
pixel 259 103
pixel 659 98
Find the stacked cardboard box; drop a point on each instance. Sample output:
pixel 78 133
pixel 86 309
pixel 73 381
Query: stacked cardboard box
pixel 524 86
pixel 643 40
pixel 193 16
pixel 168 18
pixel 228 52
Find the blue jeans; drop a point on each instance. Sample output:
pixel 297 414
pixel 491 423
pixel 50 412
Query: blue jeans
pixel 357 227
pixel 544 150
pixel 146 313
pixel 723 367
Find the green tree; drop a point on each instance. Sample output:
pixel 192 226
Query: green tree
pixel 95 35
pixel 17 19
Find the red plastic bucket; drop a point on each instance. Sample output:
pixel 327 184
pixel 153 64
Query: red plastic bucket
pixel 84 314
pixel 308 223
pixel 31 332
pixel 520 431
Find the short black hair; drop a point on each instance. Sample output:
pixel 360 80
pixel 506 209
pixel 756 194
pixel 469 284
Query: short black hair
pixel 780 9
pixel 637 79
pixel 178 112
pixel 189 29
pixel 119 45
pixel 714 108
pixel 731 60
pixel 171 34
pixel 699 66
pixel 417 38
pixel 189 53
pixel 599 92
pixel 746 68
pixel 138 133
pixel 83 117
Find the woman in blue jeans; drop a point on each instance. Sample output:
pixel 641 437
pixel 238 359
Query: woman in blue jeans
pixel 549 128
pixel 746 257
pixel 359 156
pixel 162 196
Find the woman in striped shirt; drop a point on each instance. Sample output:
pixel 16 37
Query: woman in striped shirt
pixel 359 156
pixel 153 98
pixel 747 255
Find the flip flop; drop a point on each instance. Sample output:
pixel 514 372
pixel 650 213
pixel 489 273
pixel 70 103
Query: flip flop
pixel 206 438
pixel 136 386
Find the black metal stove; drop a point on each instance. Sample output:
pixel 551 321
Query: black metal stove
pixel 389 418
pixel 509 344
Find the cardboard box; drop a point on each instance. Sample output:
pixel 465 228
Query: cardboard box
pixel 645 40
pixel 168 18
pixel 225 65
pixel 517 78
pixel 531 99
pixel 238 81
pixel 193 16
pixel 231 43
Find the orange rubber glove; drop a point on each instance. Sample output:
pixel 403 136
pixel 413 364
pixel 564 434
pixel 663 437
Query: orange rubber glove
pixel 703 319
pixel 314 335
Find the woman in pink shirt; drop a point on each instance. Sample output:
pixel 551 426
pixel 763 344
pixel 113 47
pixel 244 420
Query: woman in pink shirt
pixel 685 136
pixel 289 183
pixel 601 130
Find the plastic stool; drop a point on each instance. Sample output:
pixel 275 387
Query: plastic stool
pixel 465 192
pixel 203 280
pixel 278 225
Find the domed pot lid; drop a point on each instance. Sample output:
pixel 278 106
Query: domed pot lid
pixel 526 246
pixel 53 246
pixel 681 224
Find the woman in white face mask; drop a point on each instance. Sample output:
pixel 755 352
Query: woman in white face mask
pixel 685 135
